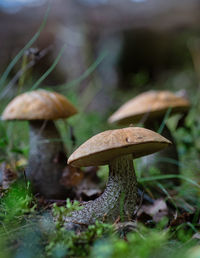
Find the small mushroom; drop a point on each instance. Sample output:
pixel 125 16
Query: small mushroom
pixel 117 148
pixel 47 152
pixel 150 108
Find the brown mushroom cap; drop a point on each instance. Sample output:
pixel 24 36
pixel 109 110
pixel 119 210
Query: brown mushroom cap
pixel 39 105
pixel 150 103
pixel 105 146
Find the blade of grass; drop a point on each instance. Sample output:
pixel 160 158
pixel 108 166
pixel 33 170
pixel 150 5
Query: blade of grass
pixel 22 71
pixel 90 70
pixel 183 225
pixel 164 120
pixel 163 177
pixel 23 66
pixel 40 80
pixel 21 52
pixel 167 194
pixel 171 161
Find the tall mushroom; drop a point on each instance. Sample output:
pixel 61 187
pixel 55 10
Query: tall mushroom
pixel 150 108
pixel 117 148
pixel 47 152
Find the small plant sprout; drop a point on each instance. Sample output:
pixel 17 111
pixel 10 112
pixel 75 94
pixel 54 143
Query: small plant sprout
pixel 117 148
pixel 60 212
pixel 151 109
pixel 47 152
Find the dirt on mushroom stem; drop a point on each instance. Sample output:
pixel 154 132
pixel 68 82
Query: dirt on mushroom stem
pixel 120 197
pixel 47 160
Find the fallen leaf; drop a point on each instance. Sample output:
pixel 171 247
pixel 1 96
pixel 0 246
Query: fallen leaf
pixel 157 210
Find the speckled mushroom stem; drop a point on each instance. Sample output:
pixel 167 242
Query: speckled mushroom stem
pixel 119 199
pixel 47 159
pixel 165 160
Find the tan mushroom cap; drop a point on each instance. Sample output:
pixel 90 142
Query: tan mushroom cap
pixel 39 105
pixel 151 104
pixel 105 146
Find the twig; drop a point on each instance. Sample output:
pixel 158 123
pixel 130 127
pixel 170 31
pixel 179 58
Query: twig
pixel 40 54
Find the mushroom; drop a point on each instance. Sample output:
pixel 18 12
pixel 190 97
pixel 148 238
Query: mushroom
pixel 150 108
pixel 117 148
pixel 47 153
